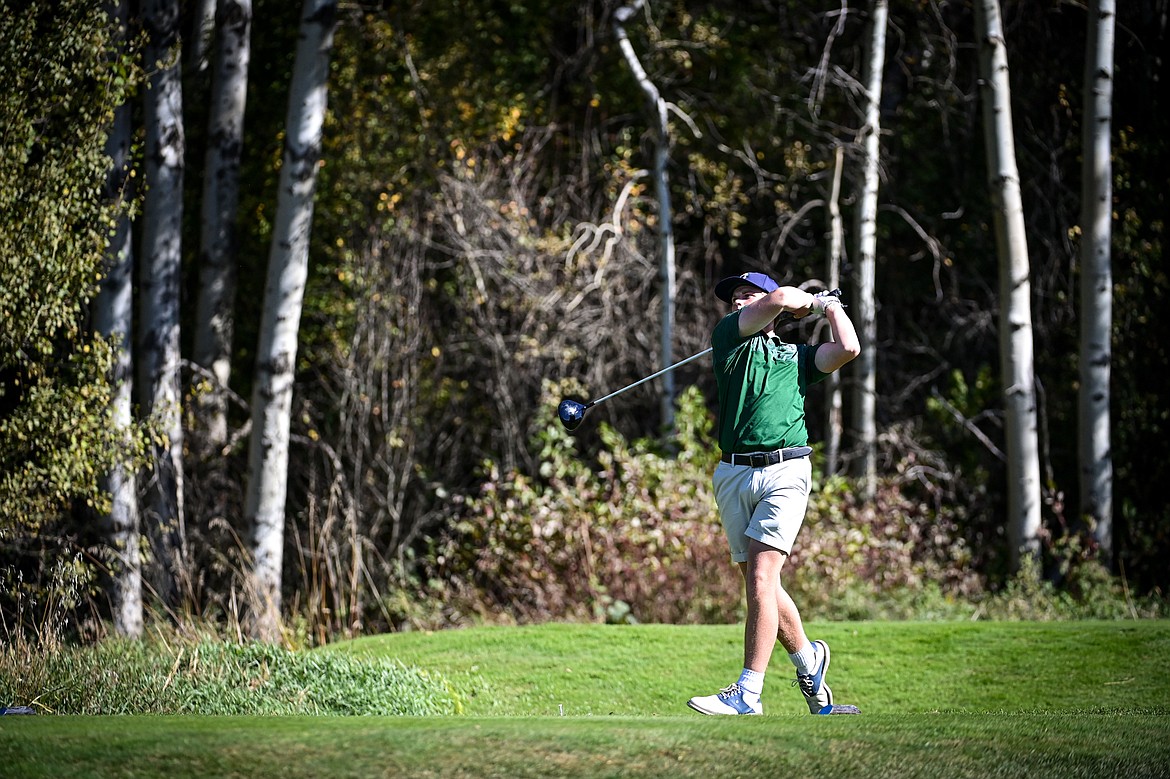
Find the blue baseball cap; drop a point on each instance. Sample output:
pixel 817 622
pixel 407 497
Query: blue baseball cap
pixel 761 281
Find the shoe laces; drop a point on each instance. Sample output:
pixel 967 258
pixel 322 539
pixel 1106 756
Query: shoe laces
pixel 805 681
pixel 731 690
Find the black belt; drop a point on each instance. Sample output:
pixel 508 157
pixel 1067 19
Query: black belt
pixel 764 459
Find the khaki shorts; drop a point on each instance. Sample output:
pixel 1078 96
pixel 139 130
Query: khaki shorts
pixel 766 504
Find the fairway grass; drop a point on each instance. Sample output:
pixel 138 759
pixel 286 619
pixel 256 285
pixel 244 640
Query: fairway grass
pixel 909 745
pixel 883 667
pixel 1072 699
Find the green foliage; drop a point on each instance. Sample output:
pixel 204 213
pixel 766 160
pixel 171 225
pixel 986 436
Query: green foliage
pixel 63 77
pixel 62 82
pixel 60 440
pixel 216 677
pixel 1089 591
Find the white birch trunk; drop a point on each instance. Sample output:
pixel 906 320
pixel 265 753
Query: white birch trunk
pixel 1095 453
pixel 865 393
pixel 276 355
pixel 1015 322
pixel 221 185
pixel 666 269
pixel 202 33
pixel 113 319
pixel 160 268
pixel 834 410
pixel 667 272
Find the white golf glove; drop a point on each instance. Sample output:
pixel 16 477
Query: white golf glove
pixel 823 300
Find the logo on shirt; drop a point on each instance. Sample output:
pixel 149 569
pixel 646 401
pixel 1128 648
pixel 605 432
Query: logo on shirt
pixel 780 351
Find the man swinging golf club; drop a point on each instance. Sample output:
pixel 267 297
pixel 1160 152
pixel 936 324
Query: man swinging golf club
pixel 762 483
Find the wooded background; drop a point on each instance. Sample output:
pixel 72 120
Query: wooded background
pixel 485 240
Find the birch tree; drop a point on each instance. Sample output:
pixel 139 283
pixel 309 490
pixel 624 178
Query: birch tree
pixel 833 406
pixel 202 33
pixel 221 190
pixel 865 395
pixel 1015 305
pixel 160 268
pixel 113 319
pixel 1096 322
pixel 666 262
pixel 288 264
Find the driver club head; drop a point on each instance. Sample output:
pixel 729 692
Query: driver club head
pixel 571 413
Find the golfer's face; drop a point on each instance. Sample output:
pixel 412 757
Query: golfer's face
pixel 744 295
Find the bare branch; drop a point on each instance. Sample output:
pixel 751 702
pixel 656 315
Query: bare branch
pixel 970 426
pixel 795 219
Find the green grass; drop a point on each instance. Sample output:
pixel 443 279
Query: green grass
pixel 1068 699
pixel 883 667
pixel 213 677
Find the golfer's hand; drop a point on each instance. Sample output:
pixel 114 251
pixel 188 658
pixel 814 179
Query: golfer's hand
pixel 809 308
pixel 822 300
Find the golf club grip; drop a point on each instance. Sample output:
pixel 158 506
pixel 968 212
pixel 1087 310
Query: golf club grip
pixel 667 369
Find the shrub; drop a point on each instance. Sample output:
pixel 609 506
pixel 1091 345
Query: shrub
pixel 632 534
pixel 214 677
pixel 901 556
pixel 1089 591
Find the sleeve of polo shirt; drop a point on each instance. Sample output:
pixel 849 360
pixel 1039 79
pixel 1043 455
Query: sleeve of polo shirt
pixel 809 373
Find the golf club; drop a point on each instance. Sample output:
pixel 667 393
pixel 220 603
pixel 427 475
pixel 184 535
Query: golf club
pixel 571 412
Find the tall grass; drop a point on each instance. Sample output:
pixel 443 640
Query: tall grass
pixel 214 677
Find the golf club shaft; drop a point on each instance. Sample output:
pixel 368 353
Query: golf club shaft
pixel 667 369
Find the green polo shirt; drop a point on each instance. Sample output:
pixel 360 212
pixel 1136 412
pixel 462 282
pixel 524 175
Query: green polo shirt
pixel 762 385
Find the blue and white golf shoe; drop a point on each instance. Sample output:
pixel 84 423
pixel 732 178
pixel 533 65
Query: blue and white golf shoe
pixel 817 694
pixel 729 700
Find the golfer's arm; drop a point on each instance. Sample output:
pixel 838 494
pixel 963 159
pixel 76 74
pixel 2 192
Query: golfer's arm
pixel 757 316
pixel 844 345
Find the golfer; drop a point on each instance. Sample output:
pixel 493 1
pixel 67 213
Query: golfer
pixel 762 483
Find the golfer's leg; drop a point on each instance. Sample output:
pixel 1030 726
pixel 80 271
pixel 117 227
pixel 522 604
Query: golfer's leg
pixel 789 628
pixel 811 663
pixel 762 579
pixel 775 522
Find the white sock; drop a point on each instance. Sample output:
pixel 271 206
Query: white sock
pixel 806 659
pixel 752 681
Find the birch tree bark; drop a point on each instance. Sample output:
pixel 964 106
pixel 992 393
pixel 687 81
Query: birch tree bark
pixel 221 189
pixel 113 319
pixel 202 33
pixel 288 263
pixel 865 393
pixel 834 407
pixel 1096 292
pixel 160 267
pixel 666 262
pixel 1015 319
